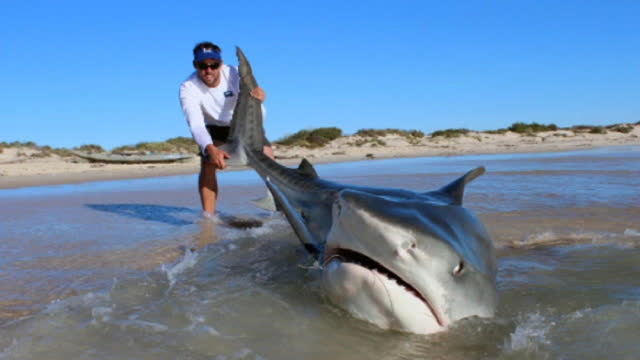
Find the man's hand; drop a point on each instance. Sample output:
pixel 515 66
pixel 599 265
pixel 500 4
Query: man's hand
pixel 259 94
pixel 216 156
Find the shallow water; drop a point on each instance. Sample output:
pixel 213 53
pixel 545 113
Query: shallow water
pixel 126 269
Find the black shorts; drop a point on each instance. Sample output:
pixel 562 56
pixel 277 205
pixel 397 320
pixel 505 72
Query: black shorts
pixel 220 133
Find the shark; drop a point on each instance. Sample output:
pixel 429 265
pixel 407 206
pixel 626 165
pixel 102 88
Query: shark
pixel 415 262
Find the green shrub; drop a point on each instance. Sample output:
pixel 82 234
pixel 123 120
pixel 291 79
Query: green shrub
pixel 311 138
pixel 597 130
pixel 449 133
pixel 90 148
pixel 622 128
pixel 521 128
pixel 62 152
pixel 499 131
pixel 29 144
pixel 174 145
pixel 581 128
pixel 184 144
pixel 376 133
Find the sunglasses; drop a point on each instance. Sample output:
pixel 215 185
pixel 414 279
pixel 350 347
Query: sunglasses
pixel 203 66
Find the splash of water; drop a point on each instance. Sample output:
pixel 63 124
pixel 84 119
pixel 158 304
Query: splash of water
pixel 189 259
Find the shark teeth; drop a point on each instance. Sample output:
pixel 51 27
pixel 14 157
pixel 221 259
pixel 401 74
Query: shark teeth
pixel 354 257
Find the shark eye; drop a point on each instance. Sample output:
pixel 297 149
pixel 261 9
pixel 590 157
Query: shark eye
pixel 457 271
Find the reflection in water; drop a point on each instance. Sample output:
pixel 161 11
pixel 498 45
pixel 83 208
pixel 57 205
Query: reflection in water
pixel 160 213
pixel 207 234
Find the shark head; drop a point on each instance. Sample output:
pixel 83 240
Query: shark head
pixel 411 264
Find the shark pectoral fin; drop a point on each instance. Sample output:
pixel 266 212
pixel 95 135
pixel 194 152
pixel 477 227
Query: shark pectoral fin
pixel 266 203
pixel 455 189
pixel 296 221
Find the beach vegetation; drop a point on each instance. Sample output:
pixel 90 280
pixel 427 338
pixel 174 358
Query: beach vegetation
pixel 144 148
pixel 178 144
pixel 591 129
pixel 41 154
pixel 16 144
pixel 581 128
pixel 534 127
pixel 450 133
pixel 496 132
pixel 62 152
pixel 90 148
pixel 621 128
pixel 186 144
pixel 311 138
pixel 409 134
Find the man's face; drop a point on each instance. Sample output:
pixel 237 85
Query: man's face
pixel 209 71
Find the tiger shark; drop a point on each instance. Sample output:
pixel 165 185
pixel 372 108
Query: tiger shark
pixel 409 261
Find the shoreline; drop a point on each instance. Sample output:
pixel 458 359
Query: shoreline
pixel 19 167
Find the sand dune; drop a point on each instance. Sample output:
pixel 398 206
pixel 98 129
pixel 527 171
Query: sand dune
pixel 24 167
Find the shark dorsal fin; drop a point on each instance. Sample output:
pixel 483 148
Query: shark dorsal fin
pixel 305 168
pixel 455 189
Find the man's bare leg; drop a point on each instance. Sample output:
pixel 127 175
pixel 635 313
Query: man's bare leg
pixel 208 182
pixel 208 186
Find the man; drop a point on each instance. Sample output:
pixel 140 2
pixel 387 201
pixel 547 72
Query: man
pixel 208 98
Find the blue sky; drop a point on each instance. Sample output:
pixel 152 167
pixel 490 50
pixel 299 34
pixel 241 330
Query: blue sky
pixel 108 73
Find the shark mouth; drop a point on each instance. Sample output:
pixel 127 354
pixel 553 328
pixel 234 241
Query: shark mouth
pixel 350 256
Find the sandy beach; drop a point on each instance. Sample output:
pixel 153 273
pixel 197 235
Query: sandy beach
pixel 21 167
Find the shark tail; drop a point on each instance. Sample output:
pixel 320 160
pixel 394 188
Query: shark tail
pixel 246 133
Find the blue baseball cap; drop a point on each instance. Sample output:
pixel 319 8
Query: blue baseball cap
pixel 205 53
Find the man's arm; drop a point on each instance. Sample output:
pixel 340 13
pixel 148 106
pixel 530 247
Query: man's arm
pixel 195 119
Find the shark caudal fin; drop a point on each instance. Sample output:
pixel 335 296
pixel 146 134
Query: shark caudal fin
pixel 247 133
pixel 455 189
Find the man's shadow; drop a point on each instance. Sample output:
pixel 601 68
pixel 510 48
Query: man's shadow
pixel 148 212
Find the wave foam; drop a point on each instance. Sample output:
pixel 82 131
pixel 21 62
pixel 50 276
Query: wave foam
pixel 531 332
pixel 632 233
pixel 189 259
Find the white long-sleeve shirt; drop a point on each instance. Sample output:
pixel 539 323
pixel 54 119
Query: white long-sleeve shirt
pixel 203 105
